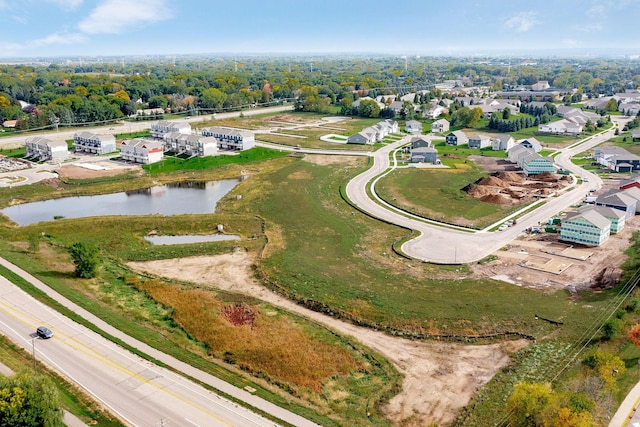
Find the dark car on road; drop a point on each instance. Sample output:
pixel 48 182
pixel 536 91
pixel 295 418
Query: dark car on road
pixel 44 332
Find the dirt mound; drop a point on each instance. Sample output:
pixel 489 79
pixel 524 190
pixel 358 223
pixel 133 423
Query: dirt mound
pixel 547 177
pixel 478 191
pixel 493 181
pixel 497 199
pixel 511 177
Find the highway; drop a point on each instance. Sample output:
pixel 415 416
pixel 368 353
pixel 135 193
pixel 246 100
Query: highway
pixel 136 390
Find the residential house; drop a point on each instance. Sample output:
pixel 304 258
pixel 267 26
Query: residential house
pixel 633 192
pixel 629 109
pixel 423 155
pixel 540 85
pixel 190 145
pixel 563 126
pixel 10 124
pixel 434 112
pixel 618 200
pixel 362 137
pixel 162 127
pixel 231 139
pixel 372 134
pixel 90 142
pixel 519 150
pixel 588 228
pixel 634 181
pixel 396 107
pixel 635 134
pixel 140 150
pixel 502 142
pixel 413 126
pixel 43 149
pixel 456 138
pixel 479 141
pixel 531 143
pixel 440 126
pixel 420 142
pixel 357 102
pixel 597 103
pixel 617 159
pixel 616 217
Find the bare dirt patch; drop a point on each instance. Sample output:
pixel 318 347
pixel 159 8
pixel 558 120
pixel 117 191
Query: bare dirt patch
pixel 325 160
pixel 79 172
pixel 439 378
pixel 287 118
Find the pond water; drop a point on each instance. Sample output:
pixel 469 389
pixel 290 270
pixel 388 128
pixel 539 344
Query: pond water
pixel 179 240
pixel 169 199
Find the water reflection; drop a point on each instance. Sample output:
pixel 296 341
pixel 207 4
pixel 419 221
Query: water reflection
pixel 170 199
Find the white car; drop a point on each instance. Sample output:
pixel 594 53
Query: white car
pixel 503 227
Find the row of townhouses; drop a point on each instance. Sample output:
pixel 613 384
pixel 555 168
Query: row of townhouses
pixel 375 133
pixel 43 149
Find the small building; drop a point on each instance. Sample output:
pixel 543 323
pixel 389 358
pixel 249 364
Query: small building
pixel 618 200
pixel 162 127
pixel 440 126
pixel 633 192
pixel 532 144
pixel 43 149
pixel 362 137
pixel 140 150
pixel 93 143
pixel 456 138
pixel 190 145
pixel 423 155
pixel 514 153
pixel 418 142
pixel 231 139
pixel 413 126
pixel 534 164
pixel 588 228
pixel 502 142
pixel 615 216
pixel 479 141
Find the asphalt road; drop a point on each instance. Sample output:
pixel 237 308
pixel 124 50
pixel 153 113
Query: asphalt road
pixel 137 391
pixel 444 245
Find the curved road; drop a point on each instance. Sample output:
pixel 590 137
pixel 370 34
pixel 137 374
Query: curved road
pixel 440 244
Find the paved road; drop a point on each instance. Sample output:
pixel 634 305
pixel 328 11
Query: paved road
pixel 139 392
pixel 443 245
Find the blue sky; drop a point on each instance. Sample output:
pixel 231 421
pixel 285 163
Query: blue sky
pixel 30 28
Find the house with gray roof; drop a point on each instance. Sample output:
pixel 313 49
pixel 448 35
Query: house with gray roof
pixel 44 149
pixel 141 150
pixel 190 145
pixel 161 127
pixel 93 143
pixel 531 143
pixel 633 192
pixel 502 142
pixel 479 141
pixel 413 126
pixel 517 151
pixel 617 158
pixel 456 137
pixel 230 138
pixel 440 126
pixel 423 155
pixel 418 142
pixel 618 200
pixel 616 217
pixel 588 228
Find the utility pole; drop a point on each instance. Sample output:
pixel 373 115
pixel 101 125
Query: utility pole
pixel 33 349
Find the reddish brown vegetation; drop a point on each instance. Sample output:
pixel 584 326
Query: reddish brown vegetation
pixel 267 344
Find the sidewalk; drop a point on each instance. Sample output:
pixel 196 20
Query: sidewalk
pixel 177 365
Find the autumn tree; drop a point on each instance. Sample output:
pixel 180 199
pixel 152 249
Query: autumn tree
pixel 29 401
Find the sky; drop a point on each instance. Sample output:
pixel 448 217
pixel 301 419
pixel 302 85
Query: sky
pixel 68 28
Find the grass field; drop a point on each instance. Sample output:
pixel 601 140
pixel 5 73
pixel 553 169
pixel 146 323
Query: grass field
pixel 438 195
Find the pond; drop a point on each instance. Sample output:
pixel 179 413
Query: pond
pixel 170 199
pixel 179 240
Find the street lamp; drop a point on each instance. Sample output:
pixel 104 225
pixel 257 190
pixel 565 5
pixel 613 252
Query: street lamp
pixel 33 349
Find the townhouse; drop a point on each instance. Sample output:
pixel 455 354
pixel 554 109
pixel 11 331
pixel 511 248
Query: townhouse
pixel 140 150
pixel 89 142
pixel 231 139
pixel 43 149
pixel 162 127
pixel 190 145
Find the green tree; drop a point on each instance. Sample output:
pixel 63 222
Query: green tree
pixel 607 365
pixel 213 98
pixel 29 401
pixel 368 108
pixel 611 105
pixel 86 259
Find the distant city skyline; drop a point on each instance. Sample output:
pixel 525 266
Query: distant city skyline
pixel 59 28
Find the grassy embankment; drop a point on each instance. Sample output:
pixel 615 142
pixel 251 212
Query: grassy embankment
pixel 273 354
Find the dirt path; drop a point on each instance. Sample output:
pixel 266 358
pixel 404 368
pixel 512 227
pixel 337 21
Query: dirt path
pixel 440 378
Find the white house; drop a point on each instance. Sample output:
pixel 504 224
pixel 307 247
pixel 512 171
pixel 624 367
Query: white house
pixel 231 139
pixel 479 141
pixel 502 142
pixel 440 126
pixel 44 149
pixel 413 126
pixel 190 145
pixel 90 142
pixel 141 150
pixel 162 127
pixel 564 126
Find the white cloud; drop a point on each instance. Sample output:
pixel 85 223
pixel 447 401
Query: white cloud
pixel 522 22
pixel 589 28
pixel 570 42
pixel 116 16
pixel 67 4
pixel 10 49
